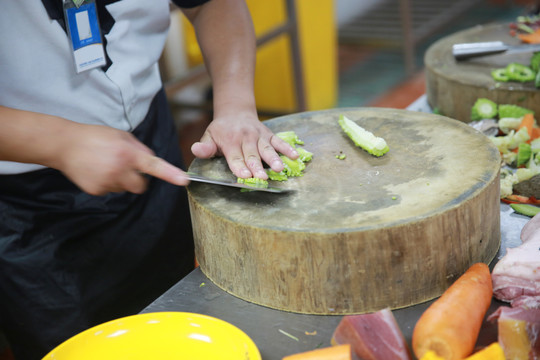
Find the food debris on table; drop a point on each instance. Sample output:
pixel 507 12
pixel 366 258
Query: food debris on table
pixel 289 335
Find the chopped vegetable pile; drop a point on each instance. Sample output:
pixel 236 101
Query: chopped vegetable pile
pixel 255 182
pixel 527 29
pixel 292 168
pixel 518 142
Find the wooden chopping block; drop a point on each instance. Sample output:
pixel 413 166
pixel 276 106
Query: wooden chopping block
pixel 359 234
pixel 453 86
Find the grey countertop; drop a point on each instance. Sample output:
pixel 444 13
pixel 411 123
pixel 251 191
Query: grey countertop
pixel 279 333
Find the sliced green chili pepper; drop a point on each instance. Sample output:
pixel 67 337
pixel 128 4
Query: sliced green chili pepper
pixel 519 72
pixel 500 75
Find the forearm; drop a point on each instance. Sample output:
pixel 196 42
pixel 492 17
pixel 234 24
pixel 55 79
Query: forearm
pixel 99 159
pixel 227 39
pixel 31 137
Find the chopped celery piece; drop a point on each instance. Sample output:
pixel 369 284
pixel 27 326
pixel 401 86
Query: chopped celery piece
pixel 362 138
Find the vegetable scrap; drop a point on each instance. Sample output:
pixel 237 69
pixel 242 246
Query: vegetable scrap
pixel 518 141
pixel 451 325
pixel 526 25
pixel 363 138
pixel 255 182
pixel 531 38
pixel 289 335
pixel 293 168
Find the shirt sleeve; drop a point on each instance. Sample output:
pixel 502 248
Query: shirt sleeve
pixel 189 3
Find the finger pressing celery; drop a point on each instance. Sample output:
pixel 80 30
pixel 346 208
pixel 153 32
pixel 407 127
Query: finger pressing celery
pixel 292 168
pixel 362 138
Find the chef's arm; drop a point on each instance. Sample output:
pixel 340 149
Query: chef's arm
pixel 98 159
pixel 226 36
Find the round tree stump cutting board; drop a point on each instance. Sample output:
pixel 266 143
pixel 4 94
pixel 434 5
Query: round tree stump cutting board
pixel 358 234
pixel 453 86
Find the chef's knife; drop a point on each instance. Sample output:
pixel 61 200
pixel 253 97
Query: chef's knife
pixel 233 183
pixel 469 50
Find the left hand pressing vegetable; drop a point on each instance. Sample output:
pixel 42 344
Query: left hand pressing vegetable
pixel 236 131
pixel 246 143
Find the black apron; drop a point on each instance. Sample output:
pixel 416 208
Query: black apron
pixel 69 260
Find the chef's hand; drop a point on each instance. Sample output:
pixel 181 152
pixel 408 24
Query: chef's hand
pixel 101 159
pixel 246 143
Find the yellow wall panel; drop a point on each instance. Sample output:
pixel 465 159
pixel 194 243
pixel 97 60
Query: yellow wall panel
pixel 274 79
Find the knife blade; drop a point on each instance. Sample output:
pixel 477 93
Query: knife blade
pixel 470 50
pixel 233 183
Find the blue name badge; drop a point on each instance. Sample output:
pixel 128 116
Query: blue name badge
pixel 85 35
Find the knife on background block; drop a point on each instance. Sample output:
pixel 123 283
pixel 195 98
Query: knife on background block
pixel 470 50
pixel 234 183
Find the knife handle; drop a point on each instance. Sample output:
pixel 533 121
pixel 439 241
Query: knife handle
pixel 470 50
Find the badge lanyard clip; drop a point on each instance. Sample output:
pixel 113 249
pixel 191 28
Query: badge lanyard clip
pixel 84 33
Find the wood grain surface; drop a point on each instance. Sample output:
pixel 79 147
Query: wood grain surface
pixel 358 234
pixel 453 86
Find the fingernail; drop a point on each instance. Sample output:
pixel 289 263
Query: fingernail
pixel 276 164
pixel 261 174
pixel 245 173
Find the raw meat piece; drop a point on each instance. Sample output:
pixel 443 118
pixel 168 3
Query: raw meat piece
pixel 530 228
pixel 373 336
pixel 519 330
pixel 516 277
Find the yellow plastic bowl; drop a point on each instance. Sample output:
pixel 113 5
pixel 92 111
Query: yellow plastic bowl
pixel 160 335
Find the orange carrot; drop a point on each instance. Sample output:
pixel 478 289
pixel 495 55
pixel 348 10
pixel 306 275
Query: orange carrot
pixel 533 38
pixel 535 133
pixel 528 123
pixel 450 326
pixel 338 352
